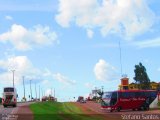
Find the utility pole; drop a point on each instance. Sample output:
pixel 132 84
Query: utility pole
pixel 36 91
pixel 42 91
pixel 54 93
pixel 39 93
pixel 102 88
pixel 24 88
pixel 51 92
pixel 31 89
pixel 13 76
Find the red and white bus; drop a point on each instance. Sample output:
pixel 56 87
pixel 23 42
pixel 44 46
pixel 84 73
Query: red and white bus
pixel 9 97
pixel 128 99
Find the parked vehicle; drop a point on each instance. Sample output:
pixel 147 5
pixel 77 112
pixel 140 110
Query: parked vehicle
pixel 83 101
pixel 80 98
pixel 128 99
pixel 9 97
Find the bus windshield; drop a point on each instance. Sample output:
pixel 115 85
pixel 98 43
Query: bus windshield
pixel 8 89
pixel 107 95
pixel 109 98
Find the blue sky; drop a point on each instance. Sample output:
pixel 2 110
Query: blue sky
pixel 74 48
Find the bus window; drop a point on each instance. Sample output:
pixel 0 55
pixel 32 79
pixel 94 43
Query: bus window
pixel 147 94
pixel 113 98
pixel 153 94
pixel 107 95
pixel 132 94
pixel 125 94
pixel 139 94
pixel 8 89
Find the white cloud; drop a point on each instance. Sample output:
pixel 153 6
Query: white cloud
pixel 90 33
pixel 148 43
pixel 126 17
pixel 7 17
pixel 63 79
pixel 158 69
pixel 22 66
pixel 48 92
pixel 89 85
pixel 25 39
pixel 47 72
pixel 45 82
pixel 104 71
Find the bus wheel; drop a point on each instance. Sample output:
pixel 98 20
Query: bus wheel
pixel 146 108
pixel 111 110
pixel 133 109
pixel 4 106
pixel 118 109
pixel 14 105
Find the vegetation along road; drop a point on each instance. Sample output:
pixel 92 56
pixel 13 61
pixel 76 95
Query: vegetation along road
pixel 60 111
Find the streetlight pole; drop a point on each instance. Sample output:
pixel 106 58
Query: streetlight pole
pixel 39 93
pixel 13 76
pixel 102 88
pixel 31 89
pixel 24 88
pixel 36 91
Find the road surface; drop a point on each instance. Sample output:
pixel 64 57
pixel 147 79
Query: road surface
pixel 95 108
pixel 11 112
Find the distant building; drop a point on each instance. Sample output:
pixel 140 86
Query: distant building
pixel 133 86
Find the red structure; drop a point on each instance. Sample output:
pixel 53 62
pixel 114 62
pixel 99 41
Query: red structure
pixel 124 83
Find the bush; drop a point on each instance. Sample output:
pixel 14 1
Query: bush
pixel 0 100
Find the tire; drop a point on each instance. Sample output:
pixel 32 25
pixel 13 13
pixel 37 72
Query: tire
pixel 111 110
pixel 133 109
pixel 4 106
pixel 119 109
pixel 14 105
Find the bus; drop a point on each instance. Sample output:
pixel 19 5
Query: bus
pixel 9 97
pixel 128 99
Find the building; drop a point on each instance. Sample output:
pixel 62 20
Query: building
pixel 133 86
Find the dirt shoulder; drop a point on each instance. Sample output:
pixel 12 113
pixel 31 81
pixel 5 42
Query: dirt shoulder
pixel 93 108
pixel 96 111
pixel 24 113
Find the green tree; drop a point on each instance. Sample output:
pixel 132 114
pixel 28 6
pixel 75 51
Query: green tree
pixel 141 77
pixel 0 100
pixel 100 93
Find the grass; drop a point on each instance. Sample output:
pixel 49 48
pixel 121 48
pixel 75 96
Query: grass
pixel 59 111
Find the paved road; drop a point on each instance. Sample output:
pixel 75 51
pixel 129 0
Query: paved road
pixel 9 111
pixel 123 114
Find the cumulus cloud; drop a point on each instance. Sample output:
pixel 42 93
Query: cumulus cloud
pixel 48 92
pixel 63 79
pixel 104 71
pixel 25 39
pixel 125 17
pixel 90 33
pixel 22 66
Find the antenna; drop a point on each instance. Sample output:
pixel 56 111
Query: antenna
pixel 120 55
